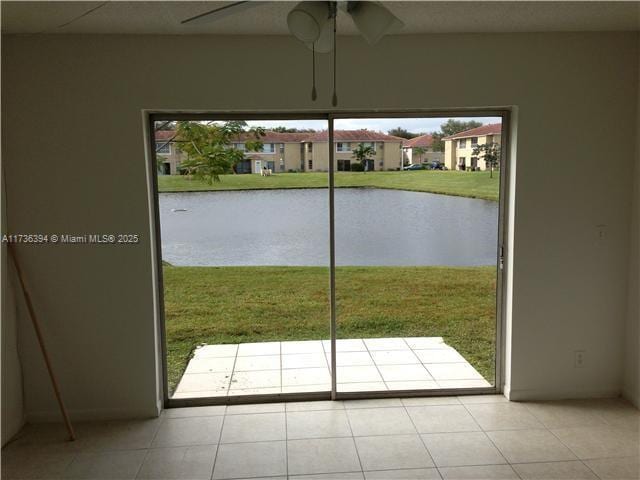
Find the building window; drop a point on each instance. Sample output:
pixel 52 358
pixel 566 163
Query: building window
pixel 461 161
pixel 343 147
pixel 370 144
pixel 310 164
pixel 344 165
pixel 474 142
pixel 240 146
pixel 309 147
pixel 282 148
pixel 268 148
pixel 163 148
pixel 462 143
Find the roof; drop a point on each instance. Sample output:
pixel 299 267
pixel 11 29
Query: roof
pixel 490 129
pixel 421 141
pixel 278 137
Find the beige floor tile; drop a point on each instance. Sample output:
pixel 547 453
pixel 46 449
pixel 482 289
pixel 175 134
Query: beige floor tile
pixel 198 382
pixel 423 401
pixel 462 449
pixel 257 362
pixel 210 365
pixel 317 424
pixel 308 346
pixel 259 348
pixel 452 371
pixel 305 376
pixel 394 357
pixel 380 421
pixel 255 408
pixel 179 432
pixel 254 427
pixel 179 463
pixel 408 474
pixel 473 399
pixel 574 470
pixel 524 446
pixel 413 385
pixel 385 344
pixel 564 414
pixel 358 374
pixel 442 355
pixel 401 373
pixel 255 379
pixel 246 460
pixel 479 472
pixel 477 383
pixel 194 411
pixel 503 416
pixel 116 435
pixel 322 455
pixel 304 360
pixel 314 405
pixel 392 452
pixel 330 476
pixel 228 350
pixel 372 403
pixel 627 468
pixel 598 442
pixel 442 418
pixel 27 464
pixel 107 466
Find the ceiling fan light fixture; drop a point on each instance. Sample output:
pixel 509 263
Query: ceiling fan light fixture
pixel 324 43
pixel 307 20
pixel 373 20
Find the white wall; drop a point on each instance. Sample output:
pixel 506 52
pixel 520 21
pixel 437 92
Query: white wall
pixel 74 150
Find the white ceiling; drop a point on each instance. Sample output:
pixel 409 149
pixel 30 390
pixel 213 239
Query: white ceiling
pixel 159 17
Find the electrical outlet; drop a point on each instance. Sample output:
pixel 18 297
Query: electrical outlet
pixel 578 359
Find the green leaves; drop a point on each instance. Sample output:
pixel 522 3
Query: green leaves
pixel 363 152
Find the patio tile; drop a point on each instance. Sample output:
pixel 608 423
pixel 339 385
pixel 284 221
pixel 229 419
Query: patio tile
pixel 399 373
pixel 330 455
pixel 256 427
pixel 224 350
pixel 179 463
pixel 304 360
pixel 423 343
pixel 385 344
pixel 257 362
pixel 255 408
pixel 442 418
pixel 442 355
pixel 362 387
pixel 107 466
pixel 410 474
pixel 525 446
pixel 210 365
pixel 179 432
pixel 345 345
pixel 254 391
pixel 479 383
pixel 453 371
pixel 413 385
pixel 314 405
pixel 574 470
pixel 423 401
pixel 392 452
pixel 484 472
pixel 473 399
pixel 255 379
pixel 194 382
pixel 597 442
pixel 246 460
pixel 358 374
pixel 309 346
pixel 260 348
pixel 306 376
pixel 503 416
pixel 348 359
pixel 379 421
pixel 394 357
pixel 462 449
pixel 322 387
pixel 194 411
pixel 627 468
pixel 317 424
pixel 201 394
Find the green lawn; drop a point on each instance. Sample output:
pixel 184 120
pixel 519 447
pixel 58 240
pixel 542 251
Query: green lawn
pixel 253 304
pixel 466 184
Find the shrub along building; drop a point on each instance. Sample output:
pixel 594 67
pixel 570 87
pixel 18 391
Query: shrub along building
pixel 459 148
pixel 296 152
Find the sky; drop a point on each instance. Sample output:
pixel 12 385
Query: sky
pixel 415 125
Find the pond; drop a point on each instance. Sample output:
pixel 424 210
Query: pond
pixel 291 227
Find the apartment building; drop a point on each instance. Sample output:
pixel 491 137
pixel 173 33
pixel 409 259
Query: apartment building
pixel 459 148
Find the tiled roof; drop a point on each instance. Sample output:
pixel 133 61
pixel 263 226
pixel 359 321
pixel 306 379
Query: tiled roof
pixel 277 137
pixel 491 129
pixel 165 134
pixel 274 137
pixel 421 141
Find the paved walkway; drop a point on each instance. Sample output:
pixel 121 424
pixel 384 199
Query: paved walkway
pixel 371 364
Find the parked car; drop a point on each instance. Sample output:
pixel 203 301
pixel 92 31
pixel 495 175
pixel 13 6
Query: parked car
pixel 435 165
pixel 415 166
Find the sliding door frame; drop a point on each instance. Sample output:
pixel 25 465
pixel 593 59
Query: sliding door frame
pixel 152 116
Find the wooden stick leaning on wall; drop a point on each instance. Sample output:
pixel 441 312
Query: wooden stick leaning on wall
pixel 45 354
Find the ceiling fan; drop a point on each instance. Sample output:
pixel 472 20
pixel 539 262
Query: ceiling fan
pixel 314 24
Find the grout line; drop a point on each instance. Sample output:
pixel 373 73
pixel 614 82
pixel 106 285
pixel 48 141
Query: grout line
pixel 215 457
pixel 353 439
pixel 404 407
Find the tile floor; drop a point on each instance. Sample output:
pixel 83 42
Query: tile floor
pixel 479 437
pixel 289 367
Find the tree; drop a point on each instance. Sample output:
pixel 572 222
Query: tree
pixel 490 152
pixel 453 126
pixel 420 151
pixel 293 130
pixel 362 153
pixel 403 133
pixel 437 144
pixel 209 150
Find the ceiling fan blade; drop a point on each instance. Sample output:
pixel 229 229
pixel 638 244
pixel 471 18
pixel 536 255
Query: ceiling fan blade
pixel 218 13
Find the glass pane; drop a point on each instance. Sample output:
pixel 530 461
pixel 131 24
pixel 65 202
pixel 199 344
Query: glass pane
pixel 416 252
pixel 245 228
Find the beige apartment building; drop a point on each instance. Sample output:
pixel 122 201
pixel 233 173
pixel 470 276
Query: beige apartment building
pixel 419 150
pixel 297 152
pixel 458 148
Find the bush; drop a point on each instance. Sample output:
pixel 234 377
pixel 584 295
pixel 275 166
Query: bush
pixel 357 167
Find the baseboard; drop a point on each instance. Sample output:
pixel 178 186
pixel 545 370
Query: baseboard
pixel 520 395
pixel 632 396
pixel 93 414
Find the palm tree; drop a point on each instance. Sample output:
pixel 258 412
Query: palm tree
pixel 420 151
pixel 362 153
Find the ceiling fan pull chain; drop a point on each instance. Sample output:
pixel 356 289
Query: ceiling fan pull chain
pixel 334 99
pixel 314 93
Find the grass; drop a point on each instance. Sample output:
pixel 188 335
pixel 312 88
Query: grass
pixel 465 184
pixel 254 304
